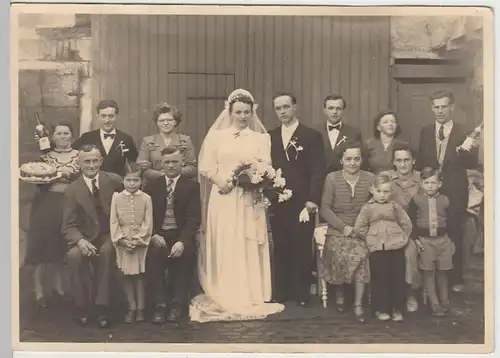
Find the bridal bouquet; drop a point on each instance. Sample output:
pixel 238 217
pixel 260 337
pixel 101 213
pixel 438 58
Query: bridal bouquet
pixel 262 181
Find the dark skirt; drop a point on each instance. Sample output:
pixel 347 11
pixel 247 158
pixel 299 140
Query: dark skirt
pixel 45 241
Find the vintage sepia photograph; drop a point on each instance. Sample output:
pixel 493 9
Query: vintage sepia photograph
pixel 307 177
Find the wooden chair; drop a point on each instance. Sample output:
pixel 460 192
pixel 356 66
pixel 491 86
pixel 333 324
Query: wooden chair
pixel 318 245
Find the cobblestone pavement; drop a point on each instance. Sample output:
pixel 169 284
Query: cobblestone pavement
pixel 294 325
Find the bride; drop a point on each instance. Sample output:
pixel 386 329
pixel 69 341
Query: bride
pixel 233 257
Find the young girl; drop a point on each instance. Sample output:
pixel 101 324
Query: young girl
pixel 386 228
pixel 131 226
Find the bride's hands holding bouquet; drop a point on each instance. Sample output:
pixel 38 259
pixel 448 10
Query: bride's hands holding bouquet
pixel 226 187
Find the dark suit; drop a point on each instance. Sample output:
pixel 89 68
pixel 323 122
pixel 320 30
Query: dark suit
pixel 333 156
pixel 83 219
pixel 114 161
pixel 304 174
pixel 187 211
pixel 455 182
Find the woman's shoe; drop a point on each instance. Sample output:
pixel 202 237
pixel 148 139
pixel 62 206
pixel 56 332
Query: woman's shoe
pixel 359 313
pixel 61 297
pixel 446 307
pixel 438 311
pixel 397 316
pixel 42 302
pixel 412 304
pixel 382 316
pixel 129 317
pixel 139 316
pixel 340 306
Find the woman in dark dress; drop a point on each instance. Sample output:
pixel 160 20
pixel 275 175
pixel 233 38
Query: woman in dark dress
pixel 46 246
pixel 379 148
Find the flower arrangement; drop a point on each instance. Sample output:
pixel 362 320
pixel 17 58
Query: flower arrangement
pixel 262 181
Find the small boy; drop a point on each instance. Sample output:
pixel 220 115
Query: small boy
pixel 428 211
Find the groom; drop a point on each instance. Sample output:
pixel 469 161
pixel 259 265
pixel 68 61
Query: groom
pixel 298 151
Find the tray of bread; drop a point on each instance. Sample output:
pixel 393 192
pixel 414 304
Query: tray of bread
pixel 38 173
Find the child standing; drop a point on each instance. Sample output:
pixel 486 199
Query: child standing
pixel 429 213
pixel 386 228
pixel 131 219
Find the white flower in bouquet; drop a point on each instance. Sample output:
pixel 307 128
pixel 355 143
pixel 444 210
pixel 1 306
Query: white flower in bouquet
pixel 271 173
pixel 287 194
pixel 279 182
pixel 256 178
pixel 260 166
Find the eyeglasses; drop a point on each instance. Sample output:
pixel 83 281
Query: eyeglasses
pixel 166 120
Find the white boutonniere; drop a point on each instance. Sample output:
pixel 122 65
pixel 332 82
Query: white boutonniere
pixel 123 148
pixel 183 145
pixel 344 138
pixel 298 148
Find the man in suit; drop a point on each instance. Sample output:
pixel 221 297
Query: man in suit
pixel 438 148
pixel 176 220
pixel 115 146
pixel 86 228
pixel 298 151
pixel 336 133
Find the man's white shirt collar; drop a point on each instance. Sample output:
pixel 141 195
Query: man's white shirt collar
pixel 287 132
pixel 103 132
pixel 174 183
pixel 88 181
pixel 290 128
pixel 447 127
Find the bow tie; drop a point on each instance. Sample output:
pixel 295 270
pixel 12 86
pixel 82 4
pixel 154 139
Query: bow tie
pixel 107 135
pixel 336 126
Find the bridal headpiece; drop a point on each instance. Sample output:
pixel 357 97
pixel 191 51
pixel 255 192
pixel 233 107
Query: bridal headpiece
pixel 240 93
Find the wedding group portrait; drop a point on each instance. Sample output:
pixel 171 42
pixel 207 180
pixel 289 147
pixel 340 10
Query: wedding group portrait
pixel 251 178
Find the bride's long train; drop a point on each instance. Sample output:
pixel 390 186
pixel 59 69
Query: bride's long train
pixel 204 309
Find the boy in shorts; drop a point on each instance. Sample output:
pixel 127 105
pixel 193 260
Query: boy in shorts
pixel 429 212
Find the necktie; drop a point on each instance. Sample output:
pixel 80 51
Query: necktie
pixel 108 135
pixel 170 187
pixel 336 126
pixel 95 189
pixel 236 135
pixel 441 133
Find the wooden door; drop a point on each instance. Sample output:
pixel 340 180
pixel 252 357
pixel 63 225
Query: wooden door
pixel 413 104
pixel 201 100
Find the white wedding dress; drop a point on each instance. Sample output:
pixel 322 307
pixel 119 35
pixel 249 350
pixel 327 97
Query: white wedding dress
pixel 234 258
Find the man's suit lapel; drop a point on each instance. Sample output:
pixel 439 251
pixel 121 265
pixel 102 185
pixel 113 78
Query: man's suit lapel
pixel 277 139
pixel 179 193
pixel 291 150
pixel 106 190
pixel 326 138
pixel 344 132
pixel 159 198
pixel 116 141
pixel 431 143
pixel 97 141
pixel 453 140
pixel 84 197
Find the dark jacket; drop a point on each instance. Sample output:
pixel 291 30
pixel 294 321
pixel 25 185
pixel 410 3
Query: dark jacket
pixel 80 218
pixel 114 161
pixel 187 207
pixel 305 171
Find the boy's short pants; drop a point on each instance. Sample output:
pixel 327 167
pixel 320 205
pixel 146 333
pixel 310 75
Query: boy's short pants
pixel 437 254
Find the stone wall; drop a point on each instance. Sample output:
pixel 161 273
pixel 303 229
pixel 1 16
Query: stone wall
pixel 54 82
